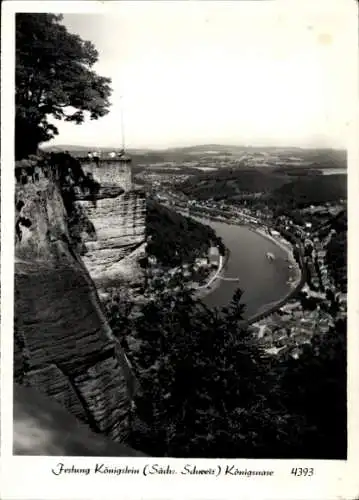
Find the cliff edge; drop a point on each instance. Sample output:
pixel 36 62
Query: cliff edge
pixel 63 345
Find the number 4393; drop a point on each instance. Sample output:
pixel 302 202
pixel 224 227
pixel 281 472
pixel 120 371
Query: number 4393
pixel 298 471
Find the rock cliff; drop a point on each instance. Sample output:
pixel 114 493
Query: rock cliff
pixel 118 242
pixel 44 427
pixel 63 345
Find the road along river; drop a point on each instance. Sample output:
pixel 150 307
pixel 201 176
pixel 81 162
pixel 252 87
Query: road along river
pixel 263 282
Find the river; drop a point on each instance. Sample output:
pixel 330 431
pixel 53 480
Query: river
pixel 331 171
pixel 263 282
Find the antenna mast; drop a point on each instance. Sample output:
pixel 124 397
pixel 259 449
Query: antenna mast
pixel 122 125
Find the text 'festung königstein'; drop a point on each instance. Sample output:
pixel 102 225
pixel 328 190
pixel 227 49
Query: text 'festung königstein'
pixel 156 469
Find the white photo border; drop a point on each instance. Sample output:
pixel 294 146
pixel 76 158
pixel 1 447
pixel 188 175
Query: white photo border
pixel 31 477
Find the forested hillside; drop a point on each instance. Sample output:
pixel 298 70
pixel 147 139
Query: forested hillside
pixel 315 190
pixel 299 187
pixel 337 251
pixel 229 182
pixel 207 389
pixel 174 239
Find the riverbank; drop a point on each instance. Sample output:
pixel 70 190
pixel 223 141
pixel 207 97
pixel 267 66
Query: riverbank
pixel 295 279
pixel 214 281
pixel 272 308
pixel 296 274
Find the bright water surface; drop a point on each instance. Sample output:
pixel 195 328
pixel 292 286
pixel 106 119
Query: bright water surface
pixel 262 281
pixel 331 171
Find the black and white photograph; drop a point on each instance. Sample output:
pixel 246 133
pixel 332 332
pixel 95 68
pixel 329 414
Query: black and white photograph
pixel 180 234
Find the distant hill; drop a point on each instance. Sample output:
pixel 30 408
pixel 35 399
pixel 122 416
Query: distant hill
pixel 304 191
pixel 86 149
pixel 227 183
pixel 279 187
pixel 219 153
pixel 203 148
pixel 332 157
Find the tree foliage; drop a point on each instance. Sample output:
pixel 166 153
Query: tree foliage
pixel 208 389
pixel 175 239
pixel 279 189
pixel 337 259
pixel 229 182
pixel 54 78
pixel 313 389
pixel 190 360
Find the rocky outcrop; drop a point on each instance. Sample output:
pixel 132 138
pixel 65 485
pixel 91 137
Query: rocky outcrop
pixel 118 242
pixel 113 250
pixel 63 345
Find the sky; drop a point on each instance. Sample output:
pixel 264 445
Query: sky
pixel 240 73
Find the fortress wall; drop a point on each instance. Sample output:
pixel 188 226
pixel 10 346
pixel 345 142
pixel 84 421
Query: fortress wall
pixel 110 173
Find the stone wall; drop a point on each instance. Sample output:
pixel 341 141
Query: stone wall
pixel 110 172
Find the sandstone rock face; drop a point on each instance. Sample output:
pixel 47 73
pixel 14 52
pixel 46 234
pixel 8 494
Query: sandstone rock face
pixel 63 345
pixel 44 427
pixel 119 241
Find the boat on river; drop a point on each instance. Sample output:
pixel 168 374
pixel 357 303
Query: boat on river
pixel 270 256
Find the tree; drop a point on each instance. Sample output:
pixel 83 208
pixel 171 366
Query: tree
pixel 54 78
pixel 208 389
pixel 313 391
pixel 202 381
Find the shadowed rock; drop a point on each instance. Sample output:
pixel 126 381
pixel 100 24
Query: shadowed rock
pixel 43 427
pixel 63 345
